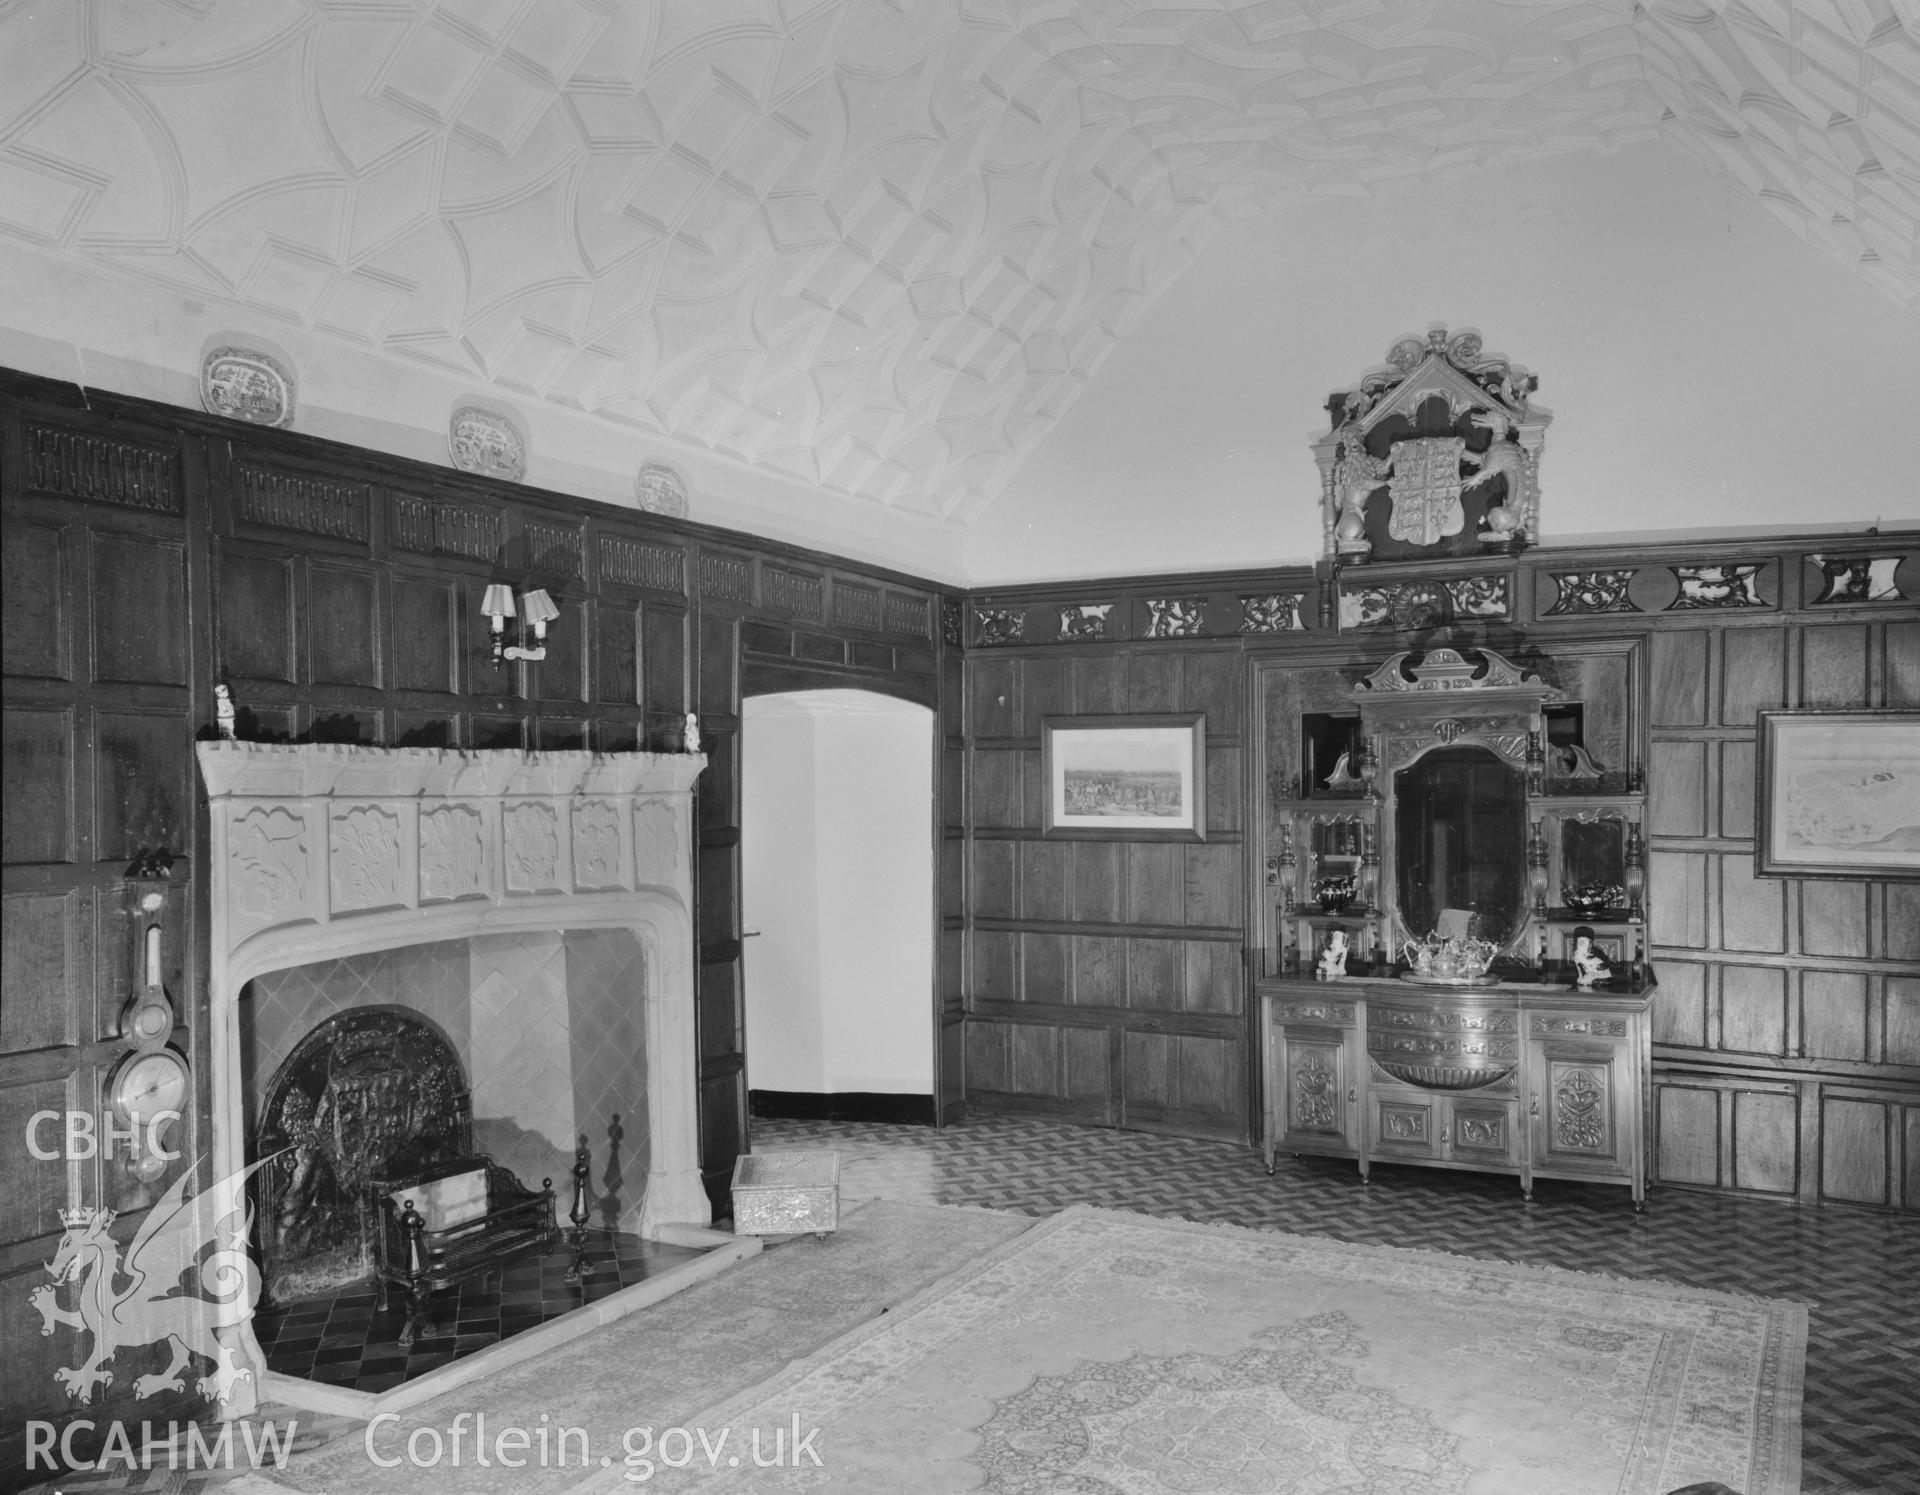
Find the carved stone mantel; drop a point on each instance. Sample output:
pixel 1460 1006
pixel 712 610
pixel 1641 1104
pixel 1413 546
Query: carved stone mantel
pixel 325 851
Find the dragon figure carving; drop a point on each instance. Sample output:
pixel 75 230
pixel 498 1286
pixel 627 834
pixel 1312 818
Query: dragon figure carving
pixel 136 1300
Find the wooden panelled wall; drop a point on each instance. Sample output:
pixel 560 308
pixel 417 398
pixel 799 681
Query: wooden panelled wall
pixel 1109 981
pixel 151 552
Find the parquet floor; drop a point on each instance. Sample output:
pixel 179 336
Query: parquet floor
pixel 1857 1271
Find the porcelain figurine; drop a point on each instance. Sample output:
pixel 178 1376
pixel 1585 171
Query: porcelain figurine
pixel 1333 959
pixel 690 737
pixel 1589 964
pixel 224 711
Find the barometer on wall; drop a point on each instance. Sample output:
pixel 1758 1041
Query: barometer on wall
pixel 144 1086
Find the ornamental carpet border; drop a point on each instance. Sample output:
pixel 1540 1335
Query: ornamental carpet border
pixel 1107 1353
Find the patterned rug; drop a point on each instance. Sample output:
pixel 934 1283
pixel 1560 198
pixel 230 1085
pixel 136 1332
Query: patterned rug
pixel 1102 1352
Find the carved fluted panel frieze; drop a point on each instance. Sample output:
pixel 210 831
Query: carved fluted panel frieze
pixel 531 833
pixel 452 854
pixel 1582 593
pixel 364 862
pixel 76 464
pixel 598 861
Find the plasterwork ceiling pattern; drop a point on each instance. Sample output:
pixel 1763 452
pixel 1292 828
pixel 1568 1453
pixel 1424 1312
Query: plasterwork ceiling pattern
pixel 871 245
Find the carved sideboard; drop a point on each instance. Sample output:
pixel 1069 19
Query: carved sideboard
pixel 1534 1080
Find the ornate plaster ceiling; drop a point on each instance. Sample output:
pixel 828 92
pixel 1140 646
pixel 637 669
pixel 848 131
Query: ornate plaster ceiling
pixel 875 245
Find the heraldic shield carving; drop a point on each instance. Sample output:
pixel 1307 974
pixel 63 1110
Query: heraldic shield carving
pixel 1434 453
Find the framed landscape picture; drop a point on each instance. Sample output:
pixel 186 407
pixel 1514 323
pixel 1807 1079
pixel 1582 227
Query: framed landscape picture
pixel 1838 794
pixel 1128 777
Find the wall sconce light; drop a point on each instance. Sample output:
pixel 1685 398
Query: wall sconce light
pixel 535 611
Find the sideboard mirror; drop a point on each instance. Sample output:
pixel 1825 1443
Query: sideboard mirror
pixel 1460 804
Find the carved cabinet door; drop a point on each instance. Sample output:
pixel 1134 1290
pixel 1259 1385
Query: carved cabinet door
pixel 1317 1088
pixel 1578 1091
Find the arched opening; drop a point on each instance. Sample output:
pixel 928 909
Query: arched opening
pixel 838 903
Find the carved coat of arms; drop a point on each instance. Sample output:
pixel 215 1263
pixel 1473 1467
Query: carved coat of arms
pixel 1425 487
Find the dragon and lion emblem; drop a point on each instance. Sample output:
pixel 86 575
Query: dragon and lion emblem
pixel 139 1298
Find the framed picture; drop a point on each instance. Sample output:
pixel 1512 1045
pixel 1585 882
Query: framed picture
pixel 1127 777
pixel 1838 794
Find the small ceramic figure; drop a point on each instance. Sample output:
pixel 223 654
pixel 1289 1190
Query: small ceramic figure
pixel 1589 963
pixel 1333 959
pixel 690 738
pixel 223 711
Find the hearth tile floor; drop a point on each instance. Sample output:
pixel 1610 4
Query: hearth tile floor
pixel 342 1339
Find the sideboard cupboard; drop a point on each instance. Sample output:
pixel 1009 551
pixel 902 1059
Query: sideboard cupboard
pixel 1454 968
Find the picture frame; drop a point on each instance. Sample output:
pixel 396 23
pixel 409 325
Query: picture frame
pixel 1126 778
pixel 1837 794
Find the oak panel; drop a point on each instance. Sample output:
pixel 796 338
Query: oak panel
pixel 1680 1004
pixel 1736 789
pixel 1903 1020
pixel 1045 690
pixel 255 607
pixel 1678 678
pixel 33 601
pixel 1903 921
pixel 1753 674
pixel 1766 1141
pixel 1099 970
pixel 143 784
pixel 1210 682
pixel 1098 871
pixel 36 786
pixel 1215 977
pixel 561 675
pixel 1677 786
pixel 139 610
pixel 1043 878
pixel 41 936
pixel 1833 917
pixel 1677 911
pixel 1853 1150
pixel 1044 964
pixel 1903 664
pixel 1213 886
pixel 1833 665
pixel 1035 1059
pixel 1153 682
pixel 1156 974
pixel 992 697
pixel 30 1205
pixel 996 788
pixel 1753 1009
pixel 993 966
pixel 616 677
pixel 342 625
pixel 1753 910
pixel 993 882
pixel 1088 1062
pixel 665 639
pixel 1156 882
pixel 987 1067
pixel 1833 1015
pixel 1099 683
pixel 1688 1121
pixel 423 635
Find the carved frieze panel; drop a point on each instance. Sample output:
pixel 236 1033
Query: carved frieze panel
pixel 794 592
pixel 1580 1109
pixel 448 528
pixel 1000 625
pixel 1271 612
pixel 953 623
pixel 657 568
pixel 72 464
pixel 908 614
pixel 554 549
pixel 1176 617
pixel 1403 1123
pixel 856 607
pixel 596 845
pixel 289 500
pixel 531 833
pixel 364 864
pixel 247 384
pixel 1315 1092
pixel 728 578
pixel 452 854
pixel 268 852
pixel 1730 586
pixel 656 843
pixel 1857 578
pixel 1583 593
pixel 1084 622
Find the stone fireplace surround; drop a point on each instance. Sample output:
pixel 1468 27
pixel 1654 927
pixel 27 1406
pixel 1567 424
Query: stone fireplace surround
pixel 325 853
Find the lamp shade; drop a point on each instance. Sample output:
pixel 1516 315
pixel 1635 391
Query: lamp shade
pixel 537 607
pixel 499 601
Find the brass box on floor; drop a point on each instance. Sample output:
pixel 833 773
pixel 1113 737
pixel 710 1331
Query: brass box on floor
pixel 786 1193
